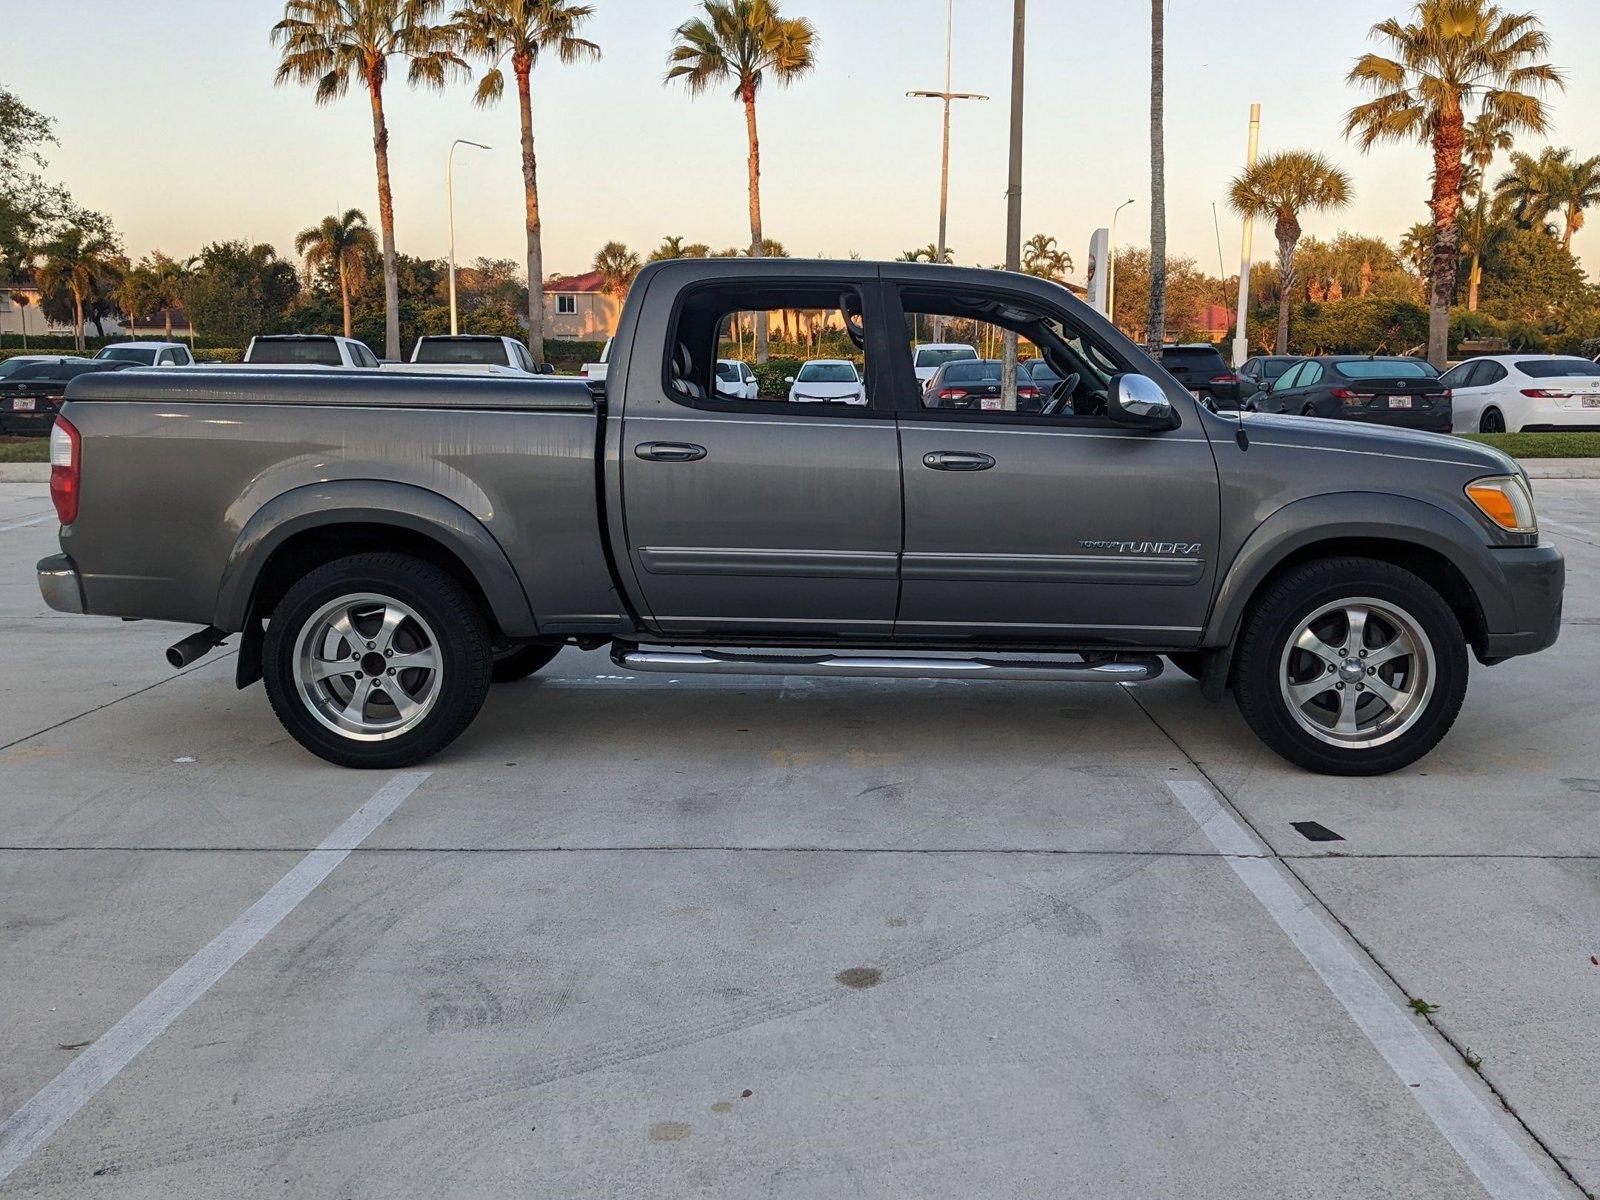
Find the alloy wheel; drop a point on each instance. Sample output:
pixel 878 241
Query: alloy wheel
pixel 368 667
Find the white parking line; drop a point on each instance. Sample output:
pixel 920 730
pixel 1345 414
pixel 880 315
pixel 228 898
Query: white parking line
pixel 1501 1165
pixel 55 1103
pixel 1547 523
pixel 38 520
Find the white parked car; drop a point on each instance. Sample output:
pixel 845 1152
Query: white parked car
pixel 1516 393
pixel 596 371
pixel 148 354
pixel 736 380
pixel 928 357
pixel 300 351
pixel 827 381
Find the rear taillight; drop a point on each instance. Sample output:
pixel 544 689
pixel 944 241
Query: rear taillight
pixel 1348 398
pixel 1224 379
pixel 1029 393
pixel 66 469
pixel 1546 394
pixel 953 394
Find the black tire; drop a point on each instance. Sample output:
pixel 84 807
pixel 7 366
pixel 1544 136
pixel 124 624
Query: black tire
pixel 1188 661
pixel 1491 421
pixel 1308 411
pixel 1277 616
pixel 462 646
pixel 521 661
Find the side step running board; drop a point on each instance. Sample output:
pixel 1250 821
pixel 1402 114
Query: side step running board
pixel 1126 668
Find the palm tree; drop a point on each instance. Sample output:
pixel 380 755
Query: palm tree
pixel 325 42
pixel 1529 191
pixel 138 295
pixel 928 254
pixel 1486 136
pixel 617 266
pixel 522 30
pixel 671 247
pixel 344 243
pixel 1282 186
pixel 1041 256
pixel 744 42
pixel 1156 321
pixel 78 262
pixel 1416 251
pixel 1452 56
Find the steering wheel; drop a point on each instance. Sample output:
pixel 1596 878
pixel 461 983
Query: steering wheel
pixel 850 311
pixel 1061 394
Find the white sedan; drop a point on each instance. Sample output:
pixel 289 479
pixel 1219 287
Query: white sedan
pixel 1515 393
pixel 827 381
pixel 736 380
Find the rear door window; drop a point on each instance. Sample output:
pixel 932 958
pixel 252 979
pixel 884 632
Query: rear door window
pixel 1557 368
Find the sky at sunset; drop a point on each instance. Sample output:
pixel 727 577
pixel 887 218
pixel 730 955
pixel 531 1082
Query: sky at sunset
pixel 169 121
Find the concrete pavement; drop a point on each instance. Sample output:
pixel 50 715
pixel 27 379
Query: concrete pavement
pixel 788 938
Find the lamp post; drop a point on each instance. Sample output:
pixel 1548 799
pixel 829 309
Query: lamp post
pixel 948 97
pixel 1241 335
pixel 1111 265
pixel 450 208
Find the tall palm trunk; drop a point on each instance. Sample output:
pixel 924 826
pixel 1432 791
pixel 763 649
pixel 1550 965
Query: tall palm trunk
pixel 530 195
pixel 391 273
pixel 747 92
pixel 77 313
pixel 344 293
pixel 1574 218
pixel 1156 323
pixel 1475 274
pixel 1448 140
pixel 1288 234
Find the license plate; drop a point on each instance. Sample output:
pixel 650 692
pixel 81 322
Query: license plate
pixel 1399 401
pixel 1591 401
pixel 22 404
pixel 991 404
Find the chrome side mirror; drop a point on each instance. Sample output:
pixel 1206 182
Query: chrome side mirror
pixel 1139 401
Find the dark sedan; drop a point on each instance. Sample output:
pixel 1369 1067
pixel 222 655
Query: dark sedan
pixel 969 383
pixel 1201 369
pixel 30 397
pixel 1385 391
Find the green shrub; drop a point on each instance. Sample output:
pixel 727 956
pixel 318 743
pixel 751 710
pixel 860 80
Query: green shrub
pixel 773 375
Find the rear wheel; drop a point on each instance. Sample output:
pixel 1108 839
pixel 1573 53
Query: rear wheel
pixel 376 660
pixel 1351 666
pixel 1491 421
pixel 521 661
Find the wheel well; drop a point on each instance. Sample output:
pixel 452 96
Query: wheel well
pixel 1430 565
pixel 312 548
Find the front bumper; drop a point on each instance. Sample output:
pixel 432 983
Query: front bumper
pixel 60 584
pixel 1535 577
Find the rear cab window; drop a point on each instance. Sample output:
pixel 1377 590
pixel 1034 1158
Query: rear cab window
pixel 322 352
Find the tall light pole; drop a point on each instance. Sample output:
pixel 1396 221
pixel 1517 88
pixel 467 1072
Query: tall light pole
pixel 1019 23
pixel 948 97
pixel 1111 268
pixel 1241 337
pixel 450 207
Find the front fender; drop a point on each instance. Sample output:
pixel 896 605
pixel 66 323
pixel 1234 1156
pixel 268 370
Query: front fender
pixel 372 502
pixel 1358 515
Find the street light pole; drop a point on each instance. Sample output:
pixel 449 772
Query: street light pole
pixel 450 209
pixel 947 97
pixel 1019 21
pixel 1241 337
pixel 1111 267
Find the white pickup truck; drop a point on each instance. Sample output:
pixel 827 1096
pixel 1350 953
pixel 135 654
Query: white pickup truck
pixel 474 354
pixel 301 350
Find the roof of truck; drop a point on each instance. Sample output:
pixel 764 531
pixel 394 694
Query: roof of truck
pixel 354 388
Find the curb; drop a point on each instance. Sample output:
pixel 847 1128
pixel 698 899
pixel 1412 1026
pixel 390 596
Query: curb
pixel 1561 468
pixel 24 472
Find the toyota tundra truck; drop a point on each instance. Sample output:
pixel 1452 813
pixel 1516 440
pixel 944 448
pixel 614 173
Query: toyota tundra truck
pixel 385 547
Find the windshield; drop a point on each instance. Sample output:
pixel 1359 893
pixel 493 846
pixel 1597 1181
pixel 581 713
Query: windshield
pixel 14 366
pixel 728 372
pixel 322 352
pixel 448 350
pixel 984 372
pixel 1195 360
pixel 827 373
pixel 133 354
pixel 937 356
pixel 1386 368
pixel 1555 368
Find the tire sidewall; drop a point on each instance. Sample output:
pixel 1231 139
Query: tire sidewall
pixel 1279 617
pixel 462 644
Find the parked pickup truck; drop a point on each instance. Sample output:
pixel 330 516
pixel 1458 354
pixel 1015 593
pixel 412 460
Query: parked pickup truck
pixel 385 546
pixel 469 353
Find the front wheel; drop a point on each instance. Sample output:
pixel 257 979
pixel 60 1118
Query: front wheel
pixel 1491 421
pixel 376 660
pixel 1351 666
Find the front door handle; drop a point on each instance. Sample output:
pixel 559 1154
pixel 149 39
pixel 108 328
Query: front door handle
pixel 956 460
pixel 670 451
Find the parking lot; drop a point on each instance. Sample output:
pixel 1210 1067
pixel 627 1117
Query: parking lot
pixel 791 938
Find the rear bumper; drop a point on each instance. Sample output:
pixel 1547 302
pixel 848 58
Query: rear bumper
pixel 1433 421
pixel 27 424
pixel 1535 577
pixel 60 584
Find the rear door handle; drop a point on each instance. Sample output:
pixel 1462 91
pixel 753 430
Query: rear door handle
pixel 670 451
pixel 956 460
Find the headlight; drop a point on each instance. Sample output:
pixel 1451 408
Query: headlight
pixel 1506 501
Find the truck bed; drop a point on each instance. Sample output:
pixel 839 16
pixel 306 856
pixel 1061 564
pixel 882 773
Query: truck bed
pixel 334 387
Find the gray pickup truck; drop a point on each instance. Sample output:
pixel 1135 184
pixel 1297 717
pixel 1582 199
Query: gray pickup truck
pixel 386 546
